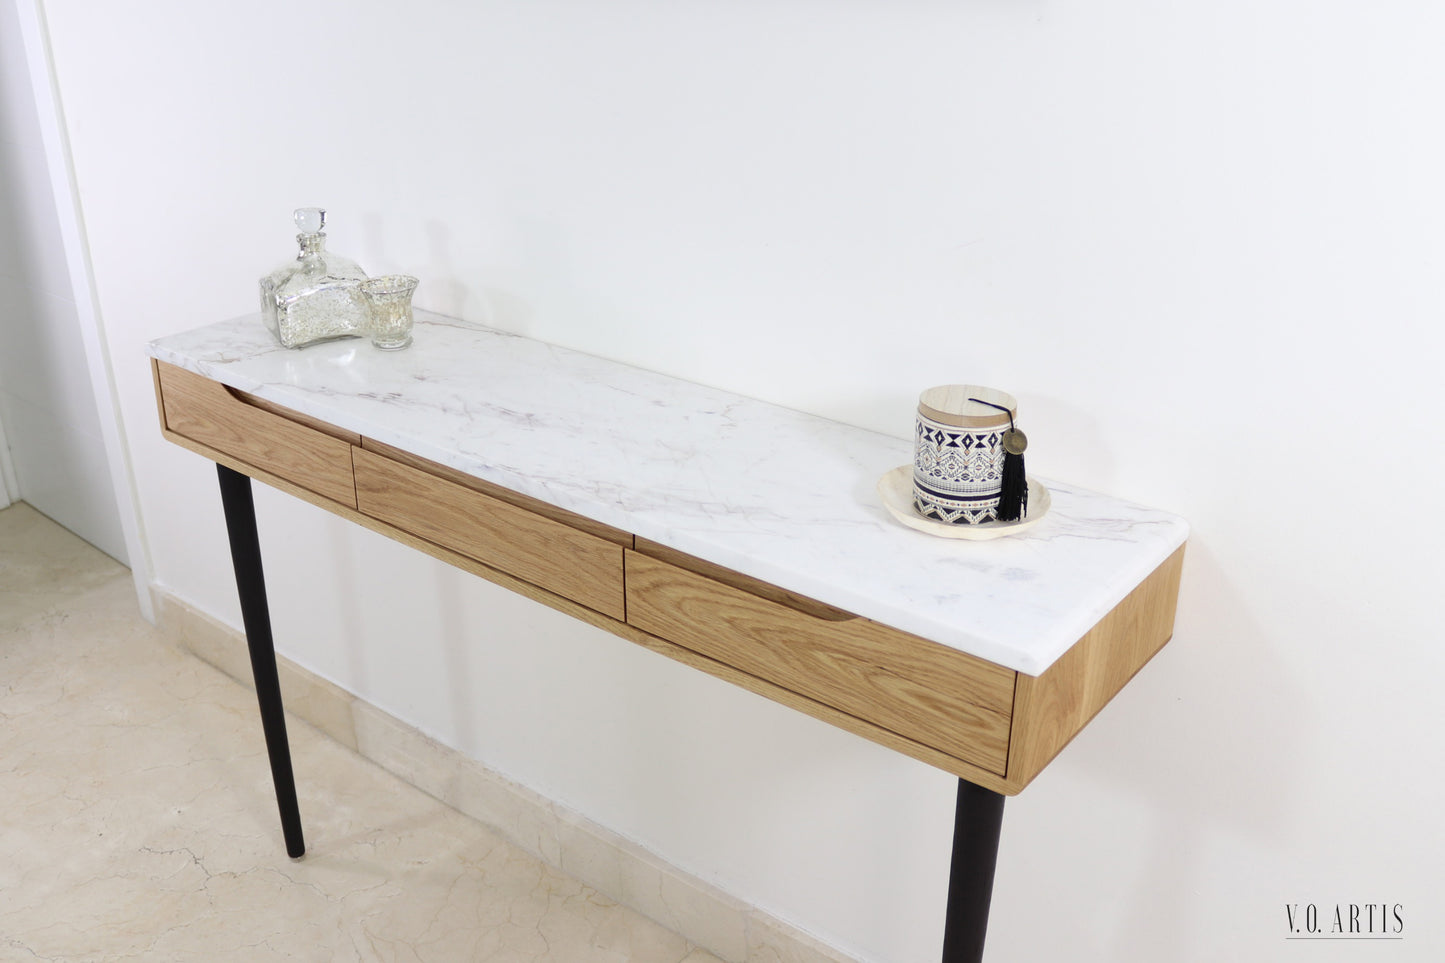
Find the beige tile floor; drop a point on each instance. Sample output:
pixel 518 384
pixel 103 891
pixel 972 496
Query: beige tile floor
pixel 137 820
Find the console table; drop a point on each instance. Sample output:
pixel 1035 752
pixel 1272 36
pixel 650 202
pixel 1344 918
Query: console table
pixel 735 536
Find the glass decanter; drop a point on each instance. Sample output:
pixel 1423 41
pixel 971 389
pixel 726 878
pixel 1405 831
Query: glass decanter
pixel 316 297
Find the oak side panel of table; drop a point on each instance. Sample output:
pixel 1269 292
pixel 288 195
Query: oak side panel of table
pixel 1052 708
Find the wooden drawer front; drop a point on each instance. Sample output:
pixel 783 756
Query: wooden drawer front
pixel 553 556
pixel 942 698
pixel 269 438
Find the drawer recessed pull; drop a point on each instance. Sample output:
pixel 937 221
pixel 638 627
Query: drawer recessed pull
pixel 770 593
pixel 296 417
pixel 257 434
pixel 576 565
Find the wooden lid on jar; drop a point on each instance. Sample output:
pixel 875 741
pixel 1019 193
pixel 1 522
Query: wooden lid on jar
pixel 950 405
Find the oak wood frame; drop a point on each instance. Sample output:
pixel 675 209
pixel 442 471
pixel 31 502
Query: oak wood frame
pixel 990 725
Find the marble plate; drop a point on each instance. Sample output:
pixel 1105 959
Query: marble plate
pixel 896 490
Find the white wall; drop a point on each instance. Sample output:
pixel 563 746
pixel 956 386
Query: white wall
pixel 59 445
pixel 1201 242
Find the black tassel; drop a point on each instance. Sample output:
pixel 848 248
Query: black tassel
pixel 1013 498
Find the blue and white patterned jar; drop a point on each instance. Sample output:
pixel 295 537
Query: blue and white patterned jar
pixel 958 453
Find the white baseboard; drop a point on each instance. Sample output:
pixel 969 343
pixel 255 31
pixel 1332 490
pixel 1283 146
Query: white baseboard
pixel 613 865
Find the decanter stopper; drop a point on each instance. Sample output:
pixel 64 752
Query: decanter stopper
pixel 310 220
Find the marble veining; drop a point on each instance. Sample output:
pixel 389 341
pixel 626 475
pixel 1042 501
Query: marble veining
pixel 776 494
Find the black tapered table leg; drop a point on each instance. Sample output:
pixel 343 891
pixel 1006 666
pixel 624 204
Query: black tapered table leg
pixel 251 586
pixel 976 823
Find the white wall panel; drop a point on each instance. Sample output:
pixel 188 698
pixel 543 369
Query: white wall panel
pixel 48 401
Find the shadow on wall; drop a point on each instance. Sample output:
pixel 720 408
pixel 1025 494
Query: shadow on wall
pixel 344 549
pixel 1065 441
pixel 461 660
pixel 1191 771
pixel 440 289
pixel 445 294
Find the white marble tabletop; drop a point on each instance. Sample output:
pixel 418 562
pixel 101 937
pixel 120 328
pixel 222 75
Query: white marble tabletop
pixel 782 496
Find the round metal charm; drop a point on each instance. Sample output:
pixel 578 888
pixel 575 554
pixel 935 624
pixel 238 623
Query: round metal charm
pixel 1015 442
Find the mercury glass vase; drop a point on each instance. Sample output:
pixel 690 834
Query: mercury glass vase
pixel 389 300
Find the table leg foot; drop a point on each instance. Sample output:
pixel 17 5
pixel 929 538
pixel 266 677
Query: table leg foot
pixel 977 820
pixel 240 513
